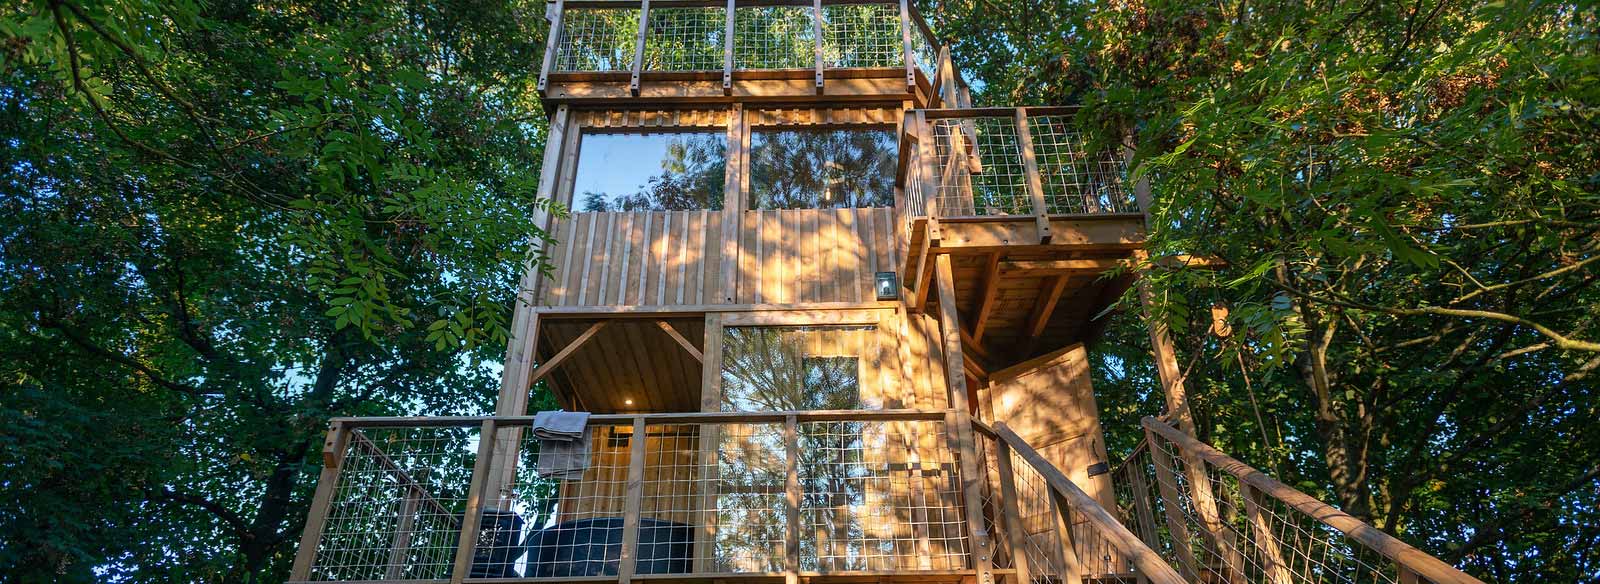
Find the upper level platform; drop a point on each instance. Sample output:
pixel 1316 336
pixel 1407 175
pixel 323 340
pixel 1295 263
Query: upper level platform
pixel 705 51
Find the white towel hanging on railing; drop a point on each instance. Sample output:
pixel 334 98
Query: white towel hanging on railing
pixel 563 444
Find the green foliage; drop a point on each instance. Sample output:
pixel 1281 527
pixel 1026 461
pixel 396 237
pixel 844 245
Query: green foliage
pixel 222 224
pixel 1405 196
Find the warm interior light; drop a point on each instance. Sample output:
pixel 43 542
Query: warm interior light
pixel 627 402
pixel 887 286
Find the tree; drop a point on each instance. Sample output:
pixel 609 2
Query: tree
pixel 1405 196
pixel 225 223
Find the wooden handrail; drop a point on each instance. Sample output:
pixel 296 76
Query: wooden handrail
pixel 1406 557
pixel 1149 563
pixel 997 112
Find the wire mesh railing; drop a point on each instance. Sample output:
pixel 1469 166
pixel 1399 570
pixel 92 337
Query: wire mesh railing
pixel 687 37
pixel 1219 520
pixel 1048 530
pixel 700 494
pixel 985 162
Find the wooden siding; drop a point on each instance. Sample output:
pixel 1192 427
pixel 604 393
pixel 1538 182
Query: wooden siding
pixel 814 255
pixel 644 258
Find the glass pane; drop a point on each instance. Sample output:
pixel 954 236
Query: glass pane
pixel 822 168
pixel 796 368
pixel 650 172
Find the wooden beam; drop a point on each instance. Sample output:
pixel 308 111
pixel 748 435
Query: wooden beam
pixel 985 301
pixel 791 503
pixel 473 520
pixel 1030 166
pixel 1049 296
pixel 683 342
pixel 959 421
pixel 552 46
pixel 628 563
pixel 727 50
pixel 550 365
pixel 816 23
pixel 905 40
pixel 1052 267
pixel 638 47
pixel 333 451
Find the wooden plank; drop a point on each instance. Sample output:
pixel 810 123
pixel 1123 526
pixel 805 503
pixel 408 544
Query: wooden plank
pixel 805 317
pixel 985 301
pixel 1066 550
pixel 627 565
pixel 1042 310
pixel 550 365
pixel 638 46
pixel 710 436
pixel 1030 165
pixel 816 27
pixel 682 342
pixel 733 202
pixel 1015 531
pixel 905 42
pixel 727 49
pixel 961 420
pixel 792 496
pixel 552 45
pixel 334 444
pixel 473 518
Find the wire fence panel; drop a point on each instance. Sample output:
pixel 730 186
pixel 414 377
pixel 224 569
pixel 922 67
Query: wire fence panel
pixel 979 165
pixel 1229 535
pixel 1077 177
pixel 685 39
pixel 597 39
pixel 774 37
pixel 396 510
pixel 556 523
pixel 862 35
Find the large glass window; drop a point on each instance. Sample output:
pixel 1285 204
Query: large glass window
pixel 822 168
pixel 796 368
pixel 650 172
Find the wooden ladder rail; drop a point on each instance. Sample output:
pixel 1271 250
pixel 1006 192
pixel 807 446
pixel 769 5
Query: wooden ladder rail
pixel 1410 563
pixel 1150 564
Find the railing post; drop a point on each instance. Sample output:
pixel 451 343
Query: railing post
pixel 627 566
pixel 333 451
pixel 1266 542
pixel 472 521
pixel 1015 530
pixel 927 154
pixel 727 50
pixel 1061 516
pixel 816 31
pixel 910 53
pixel 792 497
pixel 638 46
pixel 982 549
pixel 1035 185
pixel 1166 481
pixel 551 46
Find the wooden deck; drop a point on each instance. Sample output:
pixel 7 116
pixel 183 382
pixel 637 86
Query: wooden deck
pixel 1019 298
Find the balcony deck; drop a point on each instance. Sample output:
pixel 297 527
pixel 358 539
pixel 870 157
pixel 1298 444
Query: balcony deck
pixel 707 51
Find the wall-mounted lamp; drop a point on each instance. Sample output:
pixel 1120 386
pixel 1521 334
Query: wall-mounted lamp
pixel 887 285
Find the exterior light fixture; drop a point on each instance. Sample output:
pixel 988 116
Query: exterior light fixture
pixel 627 402
pixel 887 285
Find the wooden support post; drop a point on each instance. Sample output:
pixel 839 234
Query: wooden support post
pixel 1271 556
pixel 551 46
pixel 682 342
pixel 1015 530
pixel 1071 564
pixel 1167 483
pixel 710 438
pixel 400 545
pixel 638 46
pixel 910 53
pixel 1035 184
pixel 333 450
pixel 986 300
pixel 627 565
pixel 927 154
pixel 733 201
pixel 473 520
pixel 727 51
pixel 961 419
pixel 816 31
pixel 792 498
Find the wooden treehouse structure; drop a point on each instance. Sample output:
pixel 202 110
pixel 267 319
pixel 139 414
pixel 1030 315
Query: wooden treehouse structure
pixel 829 321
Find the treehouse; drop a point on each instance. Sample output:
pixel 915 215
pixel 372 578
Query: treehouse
pixel 828 321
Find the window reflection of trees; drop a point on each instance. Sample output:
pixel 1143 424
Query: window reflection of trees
pixel 822 168
pixel 796 369
pixel 688 176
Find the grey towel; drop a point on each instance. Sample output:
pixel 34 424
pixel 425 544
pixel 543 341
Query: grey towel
pixel 563 444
